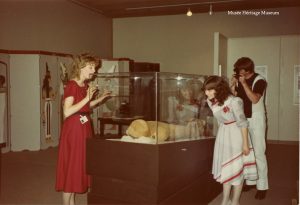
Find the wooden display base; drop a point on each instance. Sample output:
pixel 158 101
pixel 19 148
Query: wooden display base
pixel 132 173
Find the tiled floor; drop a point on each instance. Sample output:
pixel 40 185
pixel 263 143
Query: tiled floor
pixel 283 162
pixel 29 178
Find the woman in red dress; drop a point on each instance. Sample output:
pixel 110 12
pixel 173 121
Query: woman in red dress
pixel 71 177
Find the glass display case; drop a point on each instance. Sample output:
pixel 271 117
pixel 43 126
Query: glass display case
pixel 156 140
pixel 152 107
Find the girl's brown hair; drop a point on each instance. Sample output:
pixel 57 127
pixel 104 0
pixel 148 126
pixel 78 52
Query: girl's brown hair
pixel 80 61
pixel 220 85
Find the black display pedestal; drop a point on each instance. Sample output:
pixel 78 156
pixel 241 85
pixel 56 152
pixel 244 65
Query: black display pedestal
pixel 133 173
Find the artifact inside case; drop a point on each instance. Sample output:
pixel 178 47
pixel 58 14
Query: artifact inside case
pixel 153 107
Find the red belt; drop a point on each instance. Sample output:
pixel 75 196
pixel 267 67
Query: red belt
pixel 227 123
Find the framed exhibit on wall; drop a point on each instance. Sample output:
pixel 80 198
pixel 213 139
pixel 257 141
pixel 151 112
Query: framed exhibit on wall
pixel 263 71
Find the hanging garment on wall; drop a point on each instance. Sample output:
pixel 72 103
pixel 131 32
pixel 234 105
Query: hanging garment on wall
pixel 48 95
pixel 47 117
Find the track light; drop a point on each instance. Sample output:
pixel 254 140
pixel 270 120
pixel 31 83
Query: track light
pixel 210 10
pixel 189 12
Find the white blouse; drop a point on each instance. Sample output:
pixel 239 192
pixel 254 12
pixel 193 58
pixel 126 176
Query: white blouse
pixel 231 111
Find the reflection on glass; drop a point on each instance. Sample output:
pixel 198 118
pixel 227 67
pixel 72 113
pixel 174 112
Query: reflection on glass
pixel 169 106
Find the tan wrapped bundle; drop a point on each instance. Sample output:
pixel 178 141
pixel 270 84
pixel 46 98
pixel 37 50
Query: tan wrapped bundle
pixel 160 127
pixel 139 128
pixel 164 131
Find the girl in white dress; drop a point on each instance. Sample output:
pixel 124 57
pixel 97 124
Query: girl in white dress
pixel 233 159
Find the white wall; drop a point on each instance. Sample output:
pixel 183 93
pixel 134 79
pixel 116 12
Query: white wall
pixel 54 25
pixel 264 51
pixel 279 55
pixel 185 44
pixel 25 108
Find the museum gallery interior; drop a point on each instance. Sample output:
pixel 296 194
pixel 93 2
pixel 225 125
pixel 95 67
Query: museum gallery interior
pixel 153 140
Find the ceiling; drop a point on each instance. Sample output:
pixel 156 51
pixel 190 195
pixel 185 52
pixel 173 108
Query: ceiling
pixel 136 8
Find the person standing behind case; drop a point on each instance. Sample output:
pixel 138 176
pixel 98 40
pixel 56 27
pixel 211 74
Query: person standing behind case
pixel 251 87
pixel 233 159
pixel 78 99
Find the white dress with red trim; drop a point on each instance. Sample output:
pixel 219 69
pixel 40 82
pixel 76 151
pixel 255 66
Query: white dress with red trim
pixel 229 163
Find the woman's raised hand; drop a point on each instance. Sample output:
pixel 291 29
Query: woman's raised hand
pixel 106 94
pixel 92 89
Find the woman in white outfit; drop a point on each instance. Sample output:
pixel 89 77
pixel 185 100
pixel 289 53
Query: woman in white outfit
pixel 233 159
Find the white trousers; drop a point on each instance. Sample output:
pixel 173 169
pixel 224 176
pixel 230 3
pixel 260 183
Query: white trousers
pixel 257 130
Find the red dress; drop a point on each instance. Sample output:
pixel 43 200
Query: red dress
pixel 71 165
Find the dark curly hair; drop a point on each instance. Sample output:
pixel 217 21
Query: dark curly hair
pixel 220 85
pixel 244 63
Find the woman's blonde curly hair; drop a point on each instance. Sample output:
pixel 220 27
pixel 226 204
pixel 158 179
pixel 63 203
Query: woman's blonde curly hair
pixel 80 61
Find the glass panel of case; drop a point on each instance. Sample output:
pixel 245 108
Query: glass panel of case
pixel 152 107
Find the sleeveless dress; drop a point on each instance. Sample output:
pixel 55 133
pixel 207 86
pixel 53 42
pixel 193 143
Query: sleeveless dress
pixel 71 165
pixel 229 163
